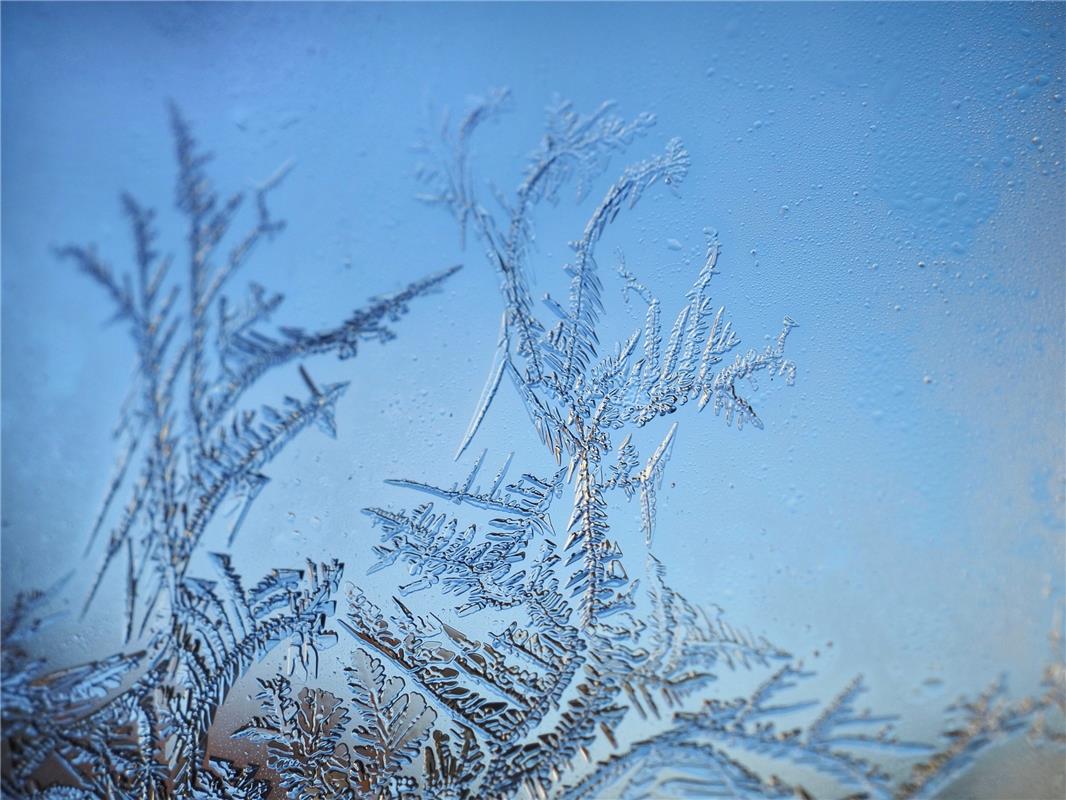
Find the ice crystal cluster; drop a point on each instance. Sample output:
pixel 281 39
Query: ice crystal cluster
pixel 521 642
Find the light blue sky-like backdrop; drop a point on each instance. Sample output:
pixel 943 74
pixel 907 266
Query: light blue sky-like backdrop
pixel 890 176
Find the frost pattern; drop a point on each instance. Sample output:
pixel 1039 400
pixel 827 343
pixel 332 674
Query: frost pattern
pixel 519 642
pixel 588 645
pixel 185 477
pixel 136 724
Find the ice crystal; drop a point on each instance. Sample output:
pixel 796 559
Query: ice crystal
pixel 184 478
pixel 519 656
pixel 135 724
pixel 586 645
pixel 306 734
pixel 150 738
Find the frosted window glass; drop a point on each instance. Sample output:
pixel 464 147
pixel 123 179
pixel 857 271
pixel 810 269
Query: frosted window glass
pixel 534 401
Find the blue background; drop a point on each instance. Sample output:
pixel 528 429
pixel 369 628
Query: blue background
pixel 890 176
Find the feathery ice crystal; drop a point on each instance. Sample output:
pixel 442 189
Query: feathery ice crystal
pixel 435 707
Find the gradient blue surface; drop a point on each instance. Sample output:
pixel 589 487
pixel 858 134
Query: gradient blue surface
pixel 890 176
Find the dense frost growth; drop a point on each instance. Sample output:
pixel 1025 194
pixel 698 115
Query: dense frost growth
pixel 136 724
pixel 434 707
